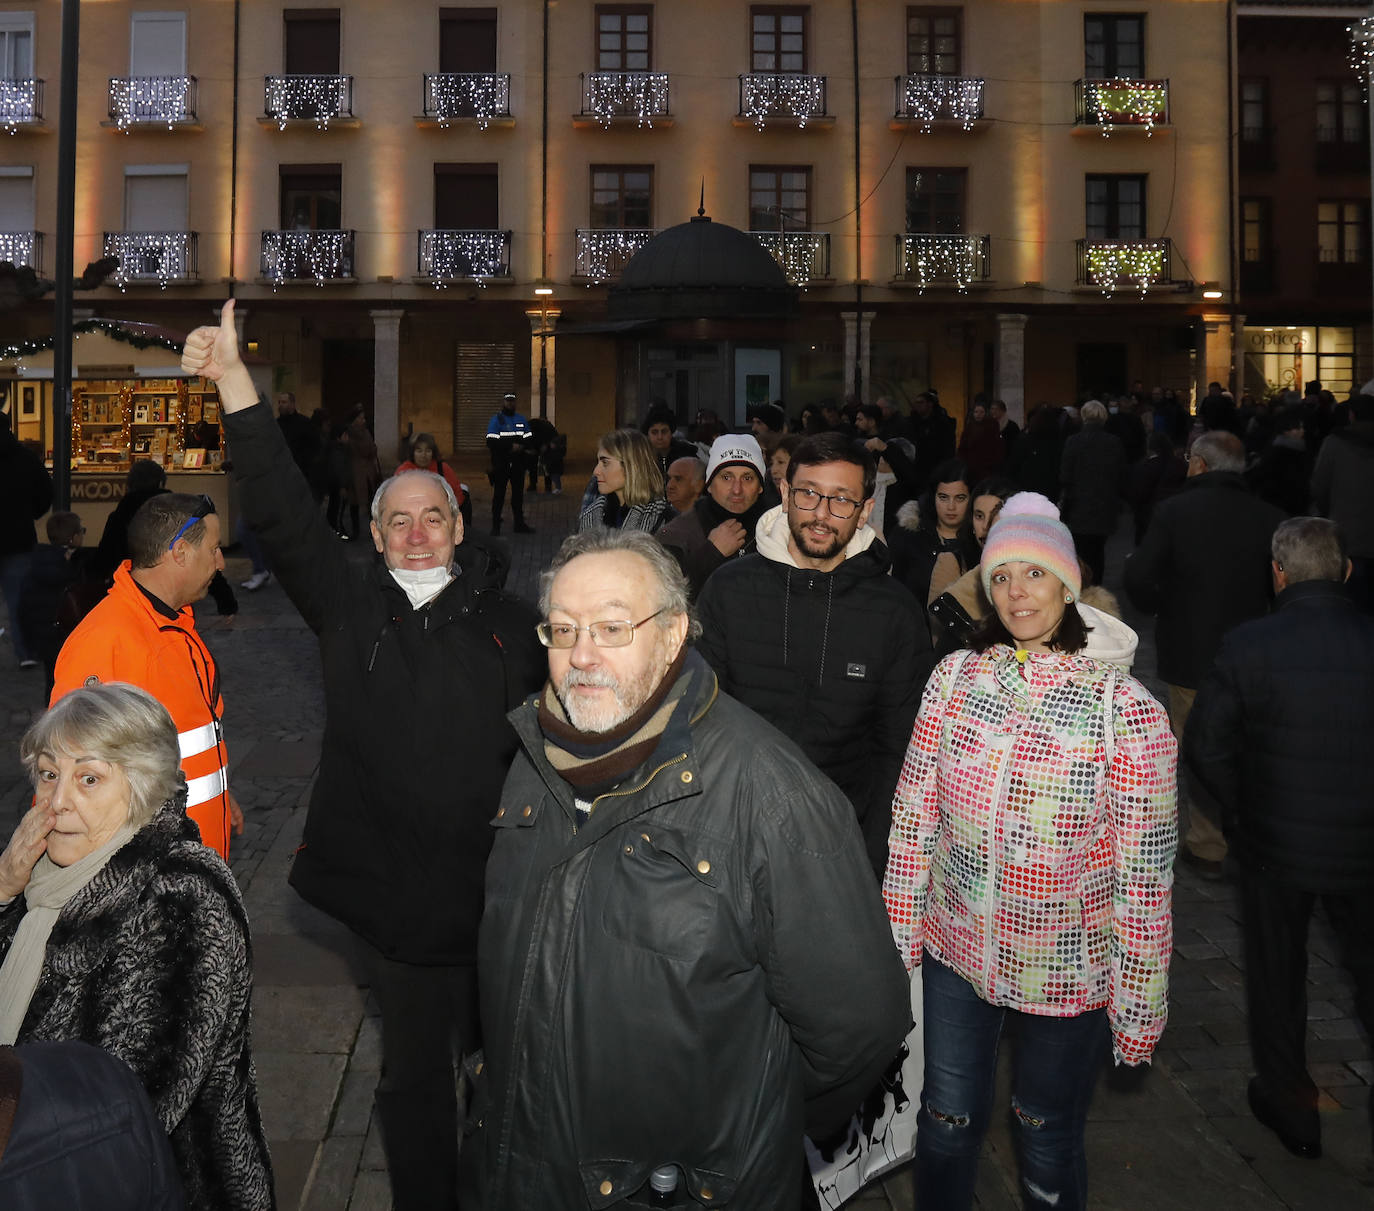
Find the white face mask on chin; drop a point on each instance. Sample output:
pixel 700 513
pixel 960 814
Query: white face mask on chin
pixel 421 586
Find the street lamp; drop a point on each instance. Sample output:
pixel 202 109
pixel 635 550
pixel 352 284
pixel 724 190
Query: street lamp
pixel 543 290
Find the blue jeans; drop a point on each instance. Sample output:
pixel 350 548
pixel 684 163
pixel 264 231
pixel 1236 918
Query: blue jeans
pixel 1054 1069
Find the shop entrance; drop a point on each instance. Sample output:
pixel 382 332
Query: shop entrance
pixel 1101 371
pixel 346 378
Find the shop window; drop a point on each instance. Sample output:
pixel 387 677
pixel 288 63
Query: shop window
pixel 934 42
pixel 311 197
pixel 467 40
pixel 1341 232
pixel 936 200
pixel 1115 207
pixel 1113 46
pixel 312 41
pixel 779 198
pixel 624 37
pixel 466 197
pixel 778 38
pixel 622 196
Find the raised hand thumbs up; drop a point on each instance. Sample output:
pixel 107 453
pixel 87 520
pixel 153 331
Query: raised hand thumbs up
pixel 213 352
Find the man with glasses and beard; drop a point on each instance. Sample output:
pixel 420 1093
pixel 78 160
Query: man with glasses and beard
pixel 683 961
pixel 813 634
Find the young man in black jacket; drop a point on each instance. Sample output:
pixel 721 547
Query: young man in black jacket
pixel 422 656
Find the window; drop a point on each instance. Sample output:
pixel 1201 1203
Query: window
pixel 1341 228
pixel 157 44
pixel 465 197
pixel 467 39
pixel 155 197
pixel 779 198
pixel 312 41
pixel 624 37
pixel 934 41
pixel 1340 112
pixel 311 197
pixel 935 200
pixel 622 196
pixel 16 198
pixel 777 39
pixel 1254 111
pixel 1115 207
pixel 1113 46
pixel 1254 230
pixel 16 46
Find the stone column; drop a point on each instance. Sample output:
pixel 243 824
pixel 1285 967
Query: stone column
pixel 1238 354
pixel 1009 365
pixel 857 327
pixel 1212 346
pixel 542 320
pixel 386 382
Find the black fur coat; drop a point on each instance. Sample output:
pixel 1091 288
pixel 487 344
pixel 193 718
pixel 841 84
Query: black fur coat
pixel 150 961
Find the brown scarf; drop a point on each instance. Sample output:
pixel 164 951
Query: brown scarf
pixel 593 762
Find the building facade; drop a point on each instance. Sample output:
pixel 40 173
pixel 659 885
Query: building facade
pixel 421 207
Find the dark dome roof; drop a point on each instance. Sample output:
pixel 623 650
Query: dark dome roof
pixel 701 270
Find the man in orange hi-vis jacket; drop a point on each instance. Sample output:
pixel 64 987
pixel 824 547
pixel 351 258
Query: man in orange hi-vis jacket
pixel 144 633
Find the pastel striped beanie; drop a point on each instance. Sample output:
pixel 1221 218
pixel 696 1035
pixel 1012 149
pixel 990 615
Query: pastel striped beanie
pixel 1028 530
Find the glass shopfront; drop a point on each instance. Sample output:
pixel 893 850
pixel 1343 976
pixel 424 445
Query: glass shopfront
pixel 1282 358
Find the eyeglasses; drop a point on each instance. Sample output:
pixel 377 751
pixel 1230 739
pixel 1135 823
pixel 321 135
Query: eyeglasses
pixel 204 509
pixel 809 500
pixel 612 634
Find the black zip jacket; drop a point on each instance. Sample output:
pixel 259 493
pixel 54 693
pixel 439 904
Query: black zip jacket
pixel 416 743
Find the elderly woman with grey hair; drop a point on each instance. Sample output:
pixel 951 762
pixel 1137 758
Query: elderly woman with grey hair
pixel 120 929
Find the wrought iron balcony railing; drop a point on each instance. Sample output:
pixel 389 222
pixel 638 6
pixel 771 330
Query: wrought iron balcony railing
pixel 307 256
pixel 943 260
pixel 22 248
pixel 803 255
pixel 21 103
pixel 477 96
pixel 625 96
pixel 152 256
pixel 1113 264
pixel 1121 103
pixel 168 101
pixel 454 255
pixel 318 99
pixel 603 252
pixel 928 99
pixel 781 97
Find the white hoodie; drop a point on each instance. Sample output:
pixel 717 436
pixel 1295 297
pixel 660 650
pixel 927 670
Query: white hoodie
pixel 771 535
pixel 1109 638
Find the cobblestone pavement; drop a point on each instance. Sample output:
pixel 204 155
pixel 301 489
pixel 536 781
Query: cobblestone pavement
pixel 1176 1136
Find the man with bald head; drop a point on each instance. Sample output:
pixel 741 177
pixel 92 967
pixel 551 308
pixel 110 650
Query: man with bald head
pixel 685 482
pixel 422 655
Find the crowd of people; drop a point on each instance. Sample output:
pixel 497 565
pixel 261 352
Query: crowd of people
pixel 818 735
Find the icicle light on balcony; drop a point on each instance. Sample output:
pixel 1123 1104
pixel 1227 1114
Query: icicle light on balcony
pixel 151 100
pixel 315 99
pixel 321 256
pixel 640 95
pixel 456 255
pixel 928 259
pixel 795 98
pixel 1115 263
pixel 481 96
pixel 927 99
pixel 17 247
pixel 1132 102
pixel 18 103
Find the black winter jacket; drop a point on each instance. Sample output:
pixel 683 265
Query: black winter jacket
pixel 25 494
pixel 416 743
pixel 834 660
pixel 1092 475
pixel 1203 568
pixel 1279 737
pixel 670 981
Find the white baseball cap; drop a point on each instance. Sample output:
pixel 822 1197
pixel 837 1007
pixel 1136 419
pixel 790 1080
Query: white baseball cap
pixel 735 449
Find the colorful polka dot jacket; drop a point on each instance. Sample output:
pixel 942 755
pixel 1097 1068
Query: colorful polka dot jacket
pixel 1032 850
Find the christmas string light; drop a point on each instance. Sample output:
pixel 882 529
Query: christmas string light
pixel 1361 51
pixel 308 98
pixel 603 252
pixel 166 256
pixel 943 258
pixel 794 97
pixel 131 332
pixel 17 247
pixel 642 95
pixel 478 95
pixel 802 255
pixel 152 100
pixel 323 255
pixel 928 98
pixel 458 255
pixel 1123 101
pixel 19 103
pixel 1113 262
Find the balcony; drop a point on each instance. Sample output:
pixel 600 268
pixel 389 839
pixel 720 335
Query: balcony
pixel 1110 265
pixel 942 260
pixel 153 102
pixel 22 248
pixel 449 255
pixel 930 101
pixel 1120 104
pixel 782 99
pixel 152 257
pixel 307 256
pixel 482 98
pixel 323 101
pixel 1335 151
pixel 21 105
pixel 604 251
pixel 803 255
pixel 622 98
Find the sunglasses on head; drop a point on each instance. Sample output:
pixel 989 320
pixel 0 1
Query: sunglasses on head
pixel 203 510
